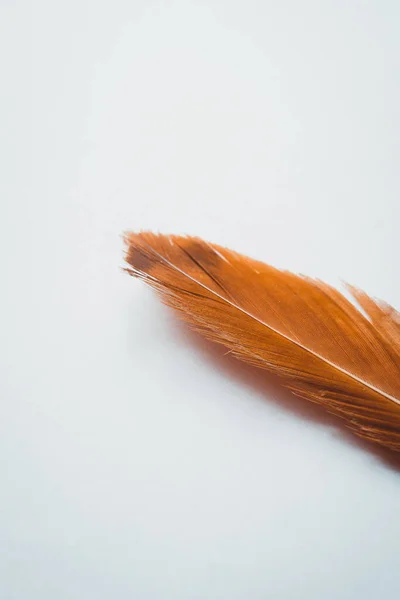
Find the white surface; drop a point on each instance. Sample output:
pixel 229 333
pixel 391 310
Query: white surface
pixel 134 463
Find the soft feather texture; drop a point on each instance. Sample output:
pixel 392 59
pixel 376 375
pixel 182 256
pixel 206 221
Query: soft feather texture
pixel 302 329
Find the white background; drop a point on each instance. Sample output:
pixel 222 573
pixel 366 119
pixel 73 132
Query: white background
pixel 137 462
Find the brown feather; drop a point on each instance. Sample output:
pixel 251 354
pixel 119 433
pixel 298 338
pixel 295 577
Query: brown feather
pixel 302 329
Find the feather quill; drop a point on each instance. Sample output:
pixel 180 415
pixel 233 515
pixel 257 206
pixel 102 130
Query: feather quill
pixel 325 349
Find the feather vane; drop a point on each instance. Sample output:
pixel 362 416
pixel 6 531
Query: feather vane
pixel 323 347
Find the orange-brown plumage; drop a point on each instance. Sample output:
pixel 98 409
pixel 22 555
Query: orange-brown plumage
pixel 302 329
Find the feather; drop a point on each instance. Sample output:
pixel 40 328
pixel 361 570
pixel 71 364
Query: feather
pixel 323 347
